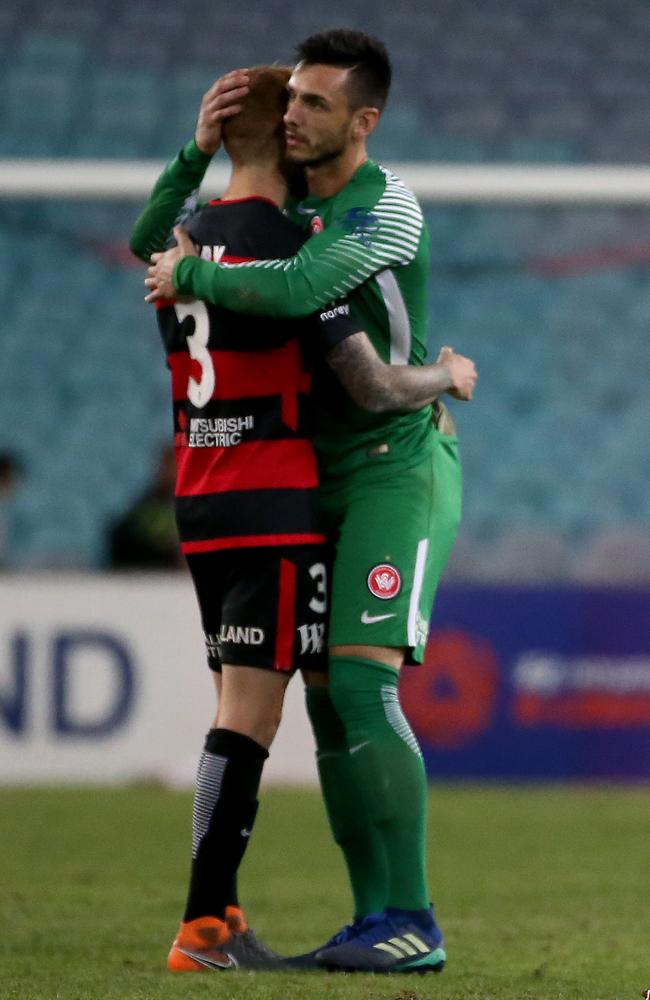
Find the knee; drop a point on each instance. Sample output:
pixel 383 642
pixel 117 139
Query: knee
pixel 260 726
pixel 358 688
pixel 270 726
pixel 266 728
pixel 351 676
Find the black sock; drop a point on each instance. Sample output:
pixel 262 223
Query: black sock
pixel 225 805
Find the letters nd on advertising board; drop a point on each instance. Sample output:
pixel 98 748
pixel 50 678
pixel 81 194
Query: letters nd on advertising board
pixel 104 678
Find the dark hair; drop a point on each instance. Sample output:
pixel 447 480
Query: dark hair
pixel 365 56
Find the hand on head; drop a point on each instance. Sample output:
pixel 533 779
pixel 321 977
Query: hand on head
pixel 220 102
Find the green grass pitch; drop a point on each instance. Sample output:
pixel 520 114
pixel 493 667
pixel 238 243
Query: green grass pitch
pixel 542 893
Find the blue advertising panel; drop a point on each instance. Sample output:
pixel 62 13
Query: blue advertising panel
pixel 534 684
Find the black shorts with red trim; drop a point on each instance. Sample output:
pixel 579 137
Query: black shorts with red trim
pixel 264 607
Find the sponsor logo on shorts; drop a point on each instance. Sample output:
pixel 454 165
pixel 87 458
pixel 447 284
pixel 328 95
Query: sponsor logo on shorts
pixel 312 638
pixel 245 635
pixel 368 619
pixel 421 630
pixel 212 644
pixel 384 581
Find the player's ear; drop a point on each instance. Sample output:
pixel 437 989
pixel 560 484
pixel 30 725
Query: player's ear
pixel 364 122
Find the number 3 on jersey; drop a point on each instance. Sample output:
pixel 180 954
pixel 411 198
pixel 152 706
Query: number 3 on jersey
pixel 198 393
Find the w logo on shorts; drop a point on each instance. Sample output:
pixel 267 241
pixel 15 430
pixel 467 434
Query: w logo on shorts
pixel 311 638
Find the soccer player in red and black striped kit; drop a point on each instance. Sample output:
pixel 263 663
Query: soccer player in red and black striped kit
pixel 247 506
pixel 248 517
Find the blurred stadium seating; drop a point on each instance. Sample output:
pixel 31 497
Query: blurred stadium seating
pixel 506 79
pixel 553 303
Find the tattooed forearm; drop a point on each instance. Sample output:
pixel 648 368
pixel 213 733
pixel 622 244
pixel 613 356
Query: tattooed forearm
pixel 382 388
pixel 360 370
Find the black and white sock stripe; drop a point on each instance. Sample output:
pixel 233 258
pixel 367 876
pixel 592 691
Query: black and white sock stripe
pixel 209 778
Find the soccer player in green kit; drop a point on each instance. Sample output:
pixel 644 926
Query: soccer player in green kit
pixel 390 484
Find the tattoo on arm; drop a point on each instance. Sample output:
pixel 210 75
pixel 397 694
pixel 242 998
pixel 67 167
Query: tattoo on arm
pixel 382 388
pixel 360 374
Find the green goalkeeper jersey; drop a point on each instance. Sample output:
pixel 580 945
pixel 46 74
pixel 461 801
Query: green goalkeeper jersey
pixel 369 244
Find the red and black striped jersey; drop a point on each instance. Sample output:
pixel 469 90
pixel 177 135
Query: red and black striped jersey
pixel 246 469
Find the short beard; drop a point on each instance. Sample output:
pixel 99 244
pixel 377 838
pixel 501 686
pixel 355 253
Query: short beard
pixel 320 159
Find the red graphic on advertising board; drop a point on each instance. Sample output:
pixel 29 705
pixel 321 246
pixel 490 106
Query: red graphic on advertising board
pixel 583 710
pixel 582 690
pixel 450 698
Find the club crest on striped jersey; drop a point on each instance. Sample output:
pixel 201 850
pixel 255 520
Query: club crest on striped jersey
pixel 384 581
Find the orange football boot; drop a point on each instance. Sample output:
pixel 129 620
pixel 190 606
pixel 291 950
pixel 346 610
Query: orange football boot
pixel 236 921
pixel 198 946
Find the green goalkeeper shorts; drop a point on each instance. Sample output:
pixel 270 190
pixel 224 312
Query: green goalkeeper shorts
pixel 393 526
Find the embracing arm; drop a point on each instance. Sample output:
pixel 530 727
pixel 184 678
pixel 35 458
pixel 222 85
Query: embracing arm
pixel 173 193
pixel 350 250
pixel 293 287
pixel 383 388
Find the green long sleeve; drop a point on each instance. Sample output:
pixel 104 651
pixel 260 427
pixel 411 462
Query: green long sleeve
pixel 175 188
pixel 373 224
pixel 326 268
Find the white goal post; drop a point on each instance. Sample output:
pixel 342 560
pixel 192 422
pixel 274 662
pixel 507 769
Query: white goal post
pixel 432 182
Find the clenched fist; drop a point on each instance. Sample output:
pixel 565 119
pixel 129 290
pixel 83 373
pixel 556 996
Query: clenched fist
pixel 462 372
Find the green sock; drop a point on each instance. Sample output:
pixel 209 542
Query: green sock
pixel 362 846
pixel 386 758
